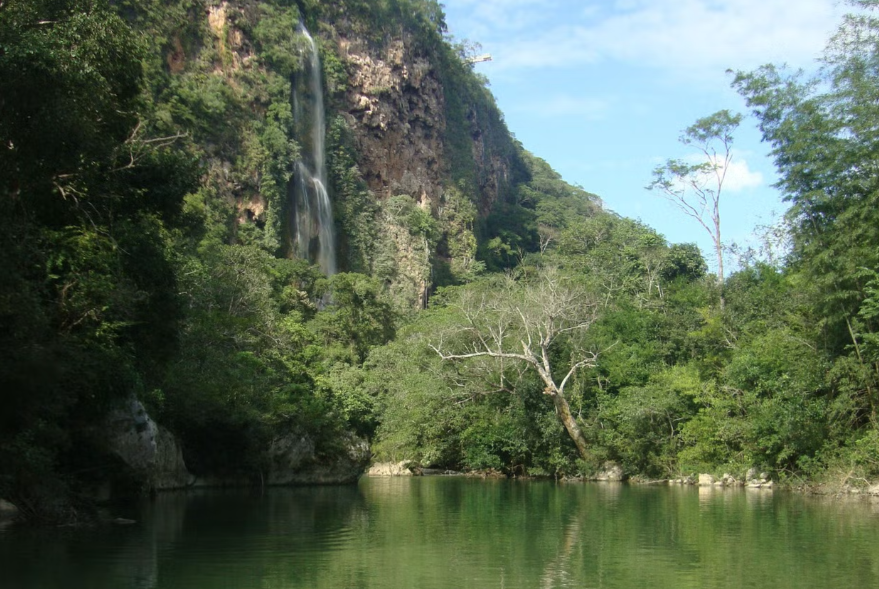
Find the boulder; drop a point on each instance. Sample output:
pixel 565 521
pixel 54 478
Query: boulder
pixel 706 480
pixel 610 471
pixel 131 435
pixel 150 452
pixel 290 453
pixel 169 470
pixel 294 461
pixel 390 469
pixel 8 513
pixel 7 510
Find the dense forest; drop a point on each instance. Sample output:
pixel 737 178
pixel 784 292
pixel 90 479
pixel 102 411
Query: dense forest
pixel 486 315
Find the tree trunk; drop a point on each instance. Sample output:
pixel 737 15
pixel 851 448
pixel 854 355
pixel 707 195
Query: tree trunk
pixel 570 423
pixel 718 250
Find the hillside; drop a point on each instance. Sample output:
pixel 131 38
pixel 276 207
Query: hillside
pixel 254 242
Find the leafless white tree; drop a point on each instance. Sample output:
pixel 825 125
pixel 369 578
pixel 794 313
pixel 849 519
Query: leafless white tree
pixel 522 323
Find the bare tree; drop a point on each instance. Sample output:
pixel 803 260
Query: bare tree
pixel 696 188
pixel 523 323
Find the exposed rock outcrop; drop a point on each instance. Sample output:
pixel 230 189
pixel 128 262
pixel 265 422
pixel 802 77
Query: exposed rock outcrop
pixel 391 469
pixel 610 472
pixel 295 462
pixel 154 459
pixel 706 480
pixel 150 452
pixel 395 105
pixel 169 470
pixel 8 511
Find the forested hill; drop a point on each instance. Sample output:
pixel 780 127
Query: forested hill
pixel 160 252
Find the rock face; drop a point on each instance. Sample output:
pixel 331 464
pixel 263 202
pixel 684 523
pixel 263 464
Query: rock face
pixel 150 452
pixel 169 470
pixel 395 106
pixel 421 125
pixel 294 461
pixel 416 134
pixel 611 472
pixel 131 435
pixel 7 510
pixel 390 469
pixel 154 459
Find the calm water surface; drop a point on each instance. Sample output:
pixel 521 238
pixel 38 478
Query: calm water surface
pixel 438 532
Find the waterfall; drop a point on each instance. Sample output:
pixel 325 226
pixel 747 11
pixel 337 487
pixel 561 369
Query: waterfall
pixel 312 220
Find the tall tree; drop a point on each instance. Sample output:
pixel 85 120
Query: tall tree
pixel 825 143
pixel 696 188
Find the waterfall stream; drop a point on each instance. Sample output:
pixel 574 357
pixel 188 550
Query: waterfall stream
pixel 312 222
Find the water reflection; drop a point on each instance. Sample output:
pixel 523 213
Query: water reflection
pixel 436 533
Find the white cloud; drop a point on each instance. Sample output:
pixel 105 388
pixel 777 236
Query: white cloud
pixel 682 35
pixel 491 17
pixel 738 177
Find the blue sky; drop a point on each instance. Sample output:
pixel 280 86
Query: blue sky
pixel 602 89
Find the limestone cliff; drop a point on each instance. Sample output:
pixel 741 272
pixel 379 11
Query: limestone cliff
pixel 395 106
pixel 418 123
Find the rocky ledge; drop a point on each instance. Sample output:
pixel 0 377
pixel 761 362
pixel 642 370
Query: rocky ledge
pixel 152 457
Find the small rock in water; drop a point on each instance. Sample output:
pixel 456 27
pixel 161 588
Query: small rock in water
pixel 391 469
pixel 706 480
pixel 610 471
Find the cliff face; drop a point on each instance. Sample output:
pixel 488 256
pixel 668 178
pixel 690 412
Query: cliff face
pixel 396 108
pixel 405 129
pixel 424 127
pixel 419 124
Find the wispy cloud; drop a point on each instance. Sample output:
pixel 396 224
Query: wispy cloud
pixel 738 176
pixel 492 17
pixel 689 36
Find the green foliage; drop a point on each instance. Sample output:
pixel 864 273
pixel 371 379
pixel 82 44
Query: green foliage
pixel 696 189
pixel 247 363
pixel 359 317
pixel 457 217
pixel 375 20
pixel 821 133
pixel 276 40
pixel 764 412
pixel 88 288
pixel 354 206
pixel 643 423
pixel 144 178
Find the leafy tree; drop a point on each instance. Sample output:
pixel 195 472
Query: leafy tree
pixel 359 317
pixel 824 142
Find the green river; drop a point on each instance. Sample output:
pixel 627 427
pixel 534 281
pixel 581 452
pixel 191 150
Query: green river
pixel 445 532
